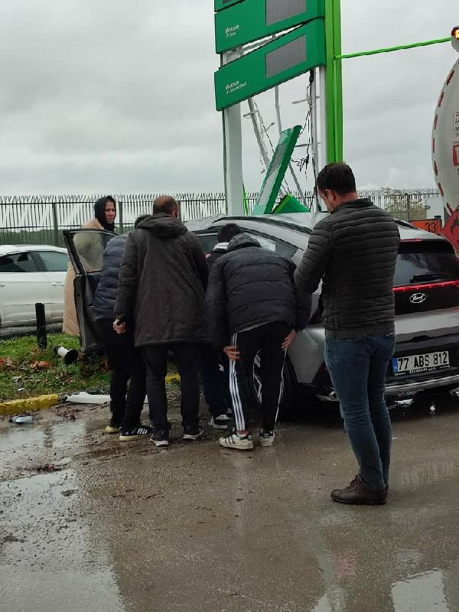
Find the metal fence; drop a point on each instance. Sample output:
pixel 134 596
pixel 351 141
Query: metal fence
pixel 41 219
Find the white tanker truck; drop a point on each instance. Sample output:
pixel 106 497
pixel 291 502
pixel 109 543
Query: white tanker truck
pixel 445 136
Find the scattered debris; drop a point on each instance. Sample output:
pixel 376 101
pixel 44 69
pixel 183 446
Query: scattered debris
pixel 87 398
pixel 40 365
pixel 21 419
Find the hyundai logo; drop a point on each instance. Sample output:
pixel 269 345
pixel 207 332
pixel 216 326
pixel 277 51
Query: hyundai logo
pixel 418 298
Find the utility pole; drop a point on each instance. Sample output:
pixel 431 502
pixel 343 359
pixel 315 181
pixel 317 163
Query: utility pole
pixel 232 152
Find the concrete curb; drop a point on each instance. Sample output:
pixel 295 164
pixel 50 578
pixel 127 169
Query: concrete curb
pixel 42 402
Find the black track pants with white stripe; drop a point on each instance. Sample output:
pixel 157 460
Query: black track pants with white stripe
pixel 266 339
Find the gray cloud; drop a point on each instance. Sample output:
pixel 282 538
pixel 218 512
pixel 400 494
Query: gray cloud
pixel 101 95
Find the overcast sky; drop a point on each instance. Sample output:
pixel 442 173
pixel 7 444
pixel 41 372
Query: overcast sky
pixel 115 96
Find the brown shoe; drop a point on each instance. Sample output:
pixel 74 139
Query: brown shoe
pixel 356 494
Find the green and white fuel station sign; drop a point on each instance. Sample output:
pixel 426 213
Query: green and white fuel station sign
pixel 276 62
pixel 251 20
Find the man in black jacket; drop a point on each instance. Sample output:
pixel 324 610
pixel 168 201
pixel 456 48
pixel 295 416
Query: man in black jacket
pixel 253 307
pixel 127 381
pixel 225 234
pixel 162 285
pixel 354 252
pixel 214 365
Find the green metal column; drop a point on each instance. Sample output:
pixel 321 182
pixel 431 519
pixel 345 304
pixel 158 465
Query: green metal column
pixel 334 81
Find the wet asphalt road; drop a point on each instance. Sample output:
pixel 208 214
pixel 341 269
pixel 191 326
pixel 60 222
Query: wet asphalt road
pixel 124 528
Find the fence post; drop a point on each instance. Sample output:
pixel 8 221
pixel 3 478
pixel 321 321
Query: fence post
pixel 120 212
pixel 42 339
pixel 55 224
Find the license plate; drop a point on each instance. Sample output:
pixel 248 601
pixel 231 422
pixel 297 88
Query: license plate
pixel 420 363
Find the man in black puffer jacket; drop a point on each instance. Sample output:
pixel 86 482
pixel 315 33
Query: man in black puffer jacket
pixel 162 284
pixel 127 381
pixel 253 306
pixel 354 252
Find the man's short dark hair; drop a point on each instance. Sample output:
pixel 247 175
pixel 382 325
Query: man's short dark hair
pixel 140 219
pixel 228 231
pixel 165 204
pixel 336 177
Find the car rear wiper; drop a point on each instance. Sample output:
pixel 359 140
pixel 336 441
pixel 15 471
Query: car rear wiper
pixel 431 276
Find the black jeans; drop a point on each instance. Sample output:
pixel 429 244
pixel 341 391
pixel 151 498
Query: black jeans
pixel 266 339
pixel 213 380
pixel 127 382
pixel 186 357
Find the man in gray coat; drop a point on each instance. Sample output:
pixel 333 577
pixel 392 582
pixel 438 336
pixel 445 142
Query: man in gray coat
pixel 354 251
pixel 162 285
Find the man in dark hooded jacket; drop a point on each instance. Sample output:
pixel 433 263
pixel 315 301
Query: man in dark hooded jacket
pixel 162 284
pixel 252 307
pixel 127 381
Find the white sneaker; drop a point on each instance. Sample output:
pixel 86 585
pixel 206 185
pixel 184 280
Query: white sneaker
pixel 267 438
pixel 234 440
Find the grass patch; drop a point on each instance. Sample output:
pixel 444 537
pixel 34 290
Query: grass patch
pixel 26 371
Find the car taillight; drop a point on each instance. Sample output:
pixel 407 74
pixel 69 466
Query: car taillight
pixel 424 286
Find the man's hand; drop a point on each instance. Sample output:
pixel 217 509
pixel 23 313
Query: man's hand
pixel 120 328
pixel 289 339
pixel 232 352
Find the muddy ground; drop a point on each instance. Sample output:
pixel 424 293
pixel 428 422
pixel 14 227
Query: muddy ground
pixel 91 524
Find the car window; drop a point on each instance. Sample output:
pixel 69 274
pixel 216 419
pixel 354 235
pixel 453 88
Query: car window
pixel 272 244
pixel 208 241
pixel 17 262
pixel 424 261
pixel 90 246
pixel 53 261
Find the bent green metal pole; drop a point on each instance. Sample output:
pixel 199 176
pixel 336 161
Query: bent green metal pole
pixel 426 43
pixel 334 76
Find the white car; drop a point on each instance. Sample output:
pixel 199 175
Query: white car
pixel 31 274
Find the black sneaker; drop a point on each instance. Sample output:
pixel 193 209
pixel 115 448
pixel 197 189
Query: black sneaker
pixel 112 427
pixel 134 434
pixel 220 422
pixel 160 438
pixel 192 433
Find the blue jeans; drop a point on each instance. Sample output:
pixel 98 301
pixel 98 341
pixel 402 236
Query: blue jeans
pixel 358 368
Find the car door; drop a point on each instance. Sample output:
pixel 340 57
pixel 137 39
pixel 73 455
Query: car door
pixel 22 285
pixel 54 264
pixel 86 249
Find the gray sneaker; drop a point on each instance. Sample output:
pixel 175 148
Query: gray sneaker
pixel 267 438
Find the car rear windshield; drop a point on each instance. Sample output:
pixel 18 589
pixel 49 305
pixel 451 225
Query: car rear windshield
pixel 425 261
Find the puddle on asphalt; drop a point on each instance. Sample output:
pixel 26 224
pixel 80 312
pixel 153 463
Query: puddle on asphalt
pixel 424 591
pixel 48 561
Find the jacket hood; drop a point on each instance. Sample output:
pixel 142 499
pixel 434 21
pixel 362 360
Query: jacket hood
pixel 242 241
pixel 221 246
pixel 163 225
pixel 99 212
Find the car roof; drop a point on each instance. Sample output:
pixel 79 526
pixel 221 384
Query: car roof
pixel 301 222
pixel 8 249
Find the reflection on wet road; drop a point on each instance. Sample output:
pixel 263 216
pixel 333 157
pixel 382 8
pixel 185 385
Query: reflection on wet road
pixel 129 528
